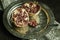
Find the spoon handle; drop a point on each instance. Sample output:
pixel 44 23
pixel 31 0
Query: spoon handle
pixel 53 25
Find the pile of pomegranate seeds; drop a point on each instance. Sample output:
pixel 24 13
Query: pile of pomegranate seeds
pixel 32 23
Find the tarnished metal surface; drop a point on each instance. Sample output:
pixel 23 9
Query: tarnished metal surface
pixel 54 34
pixel 7 2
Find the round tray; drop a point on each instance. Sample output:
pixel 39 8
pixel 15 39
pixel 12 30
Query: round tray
pixel 46 16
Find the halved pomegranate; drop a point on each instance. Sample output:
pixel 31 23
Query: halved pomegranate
pixel 20 17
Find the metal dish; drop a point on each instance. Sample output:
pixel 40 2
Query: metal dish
pixel 46 19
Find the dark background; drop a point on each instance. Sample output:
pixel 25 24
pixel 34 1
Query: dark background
pixel 53 4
